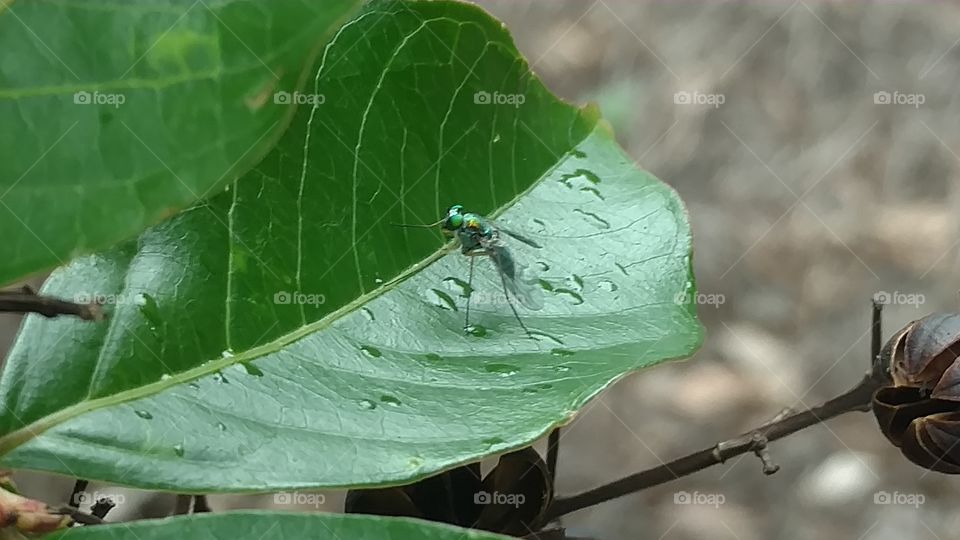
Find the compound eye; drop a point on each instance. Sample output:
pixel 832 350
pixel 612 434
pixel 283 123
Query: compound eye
pixel 454 221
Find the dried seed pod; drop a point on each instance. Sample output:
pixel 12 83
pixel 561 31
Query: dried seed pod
pixel 919 411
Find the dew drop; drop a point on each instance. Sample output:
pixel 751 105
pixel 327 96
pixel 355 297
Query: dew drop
pixel 220 378
pixel 529 390
pixel 578 154
pixel 390 400
pixel 576 282
pixel 367 404
pixel 178 450
pixel 496 138
pixel 575 297
pixel 594 191
pixel 543 266
pixel 166 377
pixel 252 369
pixel 434 357
pixel 144 414
pixel 221 426
pixel 563 369
pixel 194 385
pixel 561 352
pixel 476 330
pixel 504 370
pixel 442 300
pixel 607 285
pixel 465 288
pixel 372 352
pixel 227 353
pixel 378 281
pixel 369 314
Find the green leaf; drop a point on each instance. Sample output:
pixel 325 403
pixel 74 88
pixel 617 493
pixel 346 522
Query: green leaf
pixel 205 379
pixel 276 525
pixel 118 114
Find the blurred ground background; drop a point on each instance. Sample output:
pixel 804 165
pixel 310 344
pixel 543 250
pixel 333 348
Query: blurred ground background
pixel 806 198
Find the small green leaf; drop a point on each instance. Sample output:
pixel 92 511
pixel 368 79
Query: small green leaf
pixel 363 374
pixel 116 115
pixel 275 525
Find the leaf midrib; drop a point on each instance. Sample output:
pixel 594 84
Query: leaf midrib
pixel 18 437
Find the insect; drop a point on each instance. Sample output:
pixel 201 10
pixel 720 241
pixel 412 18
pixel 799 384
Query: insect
pixel 480 236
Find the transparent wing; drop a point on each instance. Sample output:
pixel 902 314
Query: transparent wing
pixel 515 235
pixel 520 279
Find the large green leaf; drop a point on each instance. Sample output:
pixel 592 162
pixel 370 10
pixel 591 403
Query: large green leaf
pixel 117 114
pixel 202 381
pixel 276 525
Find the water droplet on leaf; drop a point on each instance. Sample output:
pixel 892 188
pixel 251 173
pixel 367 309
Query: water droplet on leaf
pixel 371 351
pixel 390 400
pixel 252 369
pixel 504 370
pixel 144 414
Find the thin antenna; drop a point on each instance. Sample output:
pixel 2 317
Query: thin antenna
pixel 418 226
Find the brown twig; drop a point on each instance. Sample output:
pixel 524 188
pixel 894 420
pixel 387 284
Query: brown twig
pixel 27 301
pixel 857 398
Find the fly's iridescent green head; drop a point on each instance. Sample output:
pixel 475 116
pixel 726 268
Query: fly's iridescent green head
pixel 454 220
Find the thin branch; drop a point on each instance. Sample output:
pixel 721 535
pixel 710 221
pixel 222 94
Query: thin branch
pixel 79 516
pixel 26 301
pixel 856 399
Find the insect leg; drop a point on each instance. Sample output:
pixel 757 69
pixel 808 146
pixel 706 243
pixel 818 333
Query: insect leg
pixel 506 294
pixel 466 320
